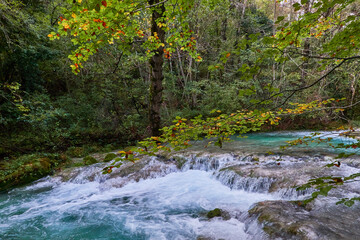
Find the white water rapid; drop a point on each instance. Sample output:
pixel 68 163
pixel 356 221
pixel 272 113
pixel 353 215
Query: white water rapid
pixel 167 198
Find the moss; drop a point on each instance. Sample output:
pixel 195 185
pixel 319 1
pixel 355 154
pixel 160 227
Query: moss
pixel 88 160
pixel 232 168
pixel 28 168
pixel 77 164
pixel 109 157
pixel 214 213
pixel 264 218
pixel 180 161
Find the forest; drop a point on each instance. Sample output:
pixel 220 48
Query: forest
pixel 223 55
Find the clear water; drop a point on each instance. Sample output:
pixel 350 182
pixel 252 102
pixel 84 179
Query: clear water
pixel 271 141
pixel 170 207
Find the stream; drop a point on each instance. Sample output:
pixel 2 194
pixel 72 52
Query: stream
pixel 168 197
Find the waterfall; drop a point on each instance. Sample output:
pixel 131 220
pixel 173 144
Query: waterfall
pixel 168 197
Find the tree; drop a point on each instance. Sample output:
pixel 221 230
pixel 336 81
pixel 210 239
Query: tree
pixel 340 46
pixel 160 27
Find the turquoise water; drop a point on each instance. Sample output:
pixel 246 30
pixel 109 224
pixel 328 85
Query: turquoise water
pixel 170 207
pixel 263 142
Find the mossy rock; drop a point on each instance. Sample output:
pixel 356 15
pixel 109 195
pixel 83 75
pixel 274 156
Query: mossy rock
pixel 109 157
pixel 217 212
pixel 27 168
pixel 88 160
pixel 204 238
pixel 180 161
pixel 214 213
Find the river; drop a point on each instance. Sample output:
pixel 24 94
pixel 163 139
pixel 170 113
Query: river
pixel 169 197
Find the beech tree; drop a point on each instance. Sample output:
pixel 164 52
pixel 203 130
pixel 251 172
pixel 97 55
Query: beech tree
pixel 160 26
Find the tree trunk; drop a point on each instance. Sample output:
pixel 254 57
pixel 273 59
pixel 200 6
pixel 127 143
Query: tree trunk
pixel 156 62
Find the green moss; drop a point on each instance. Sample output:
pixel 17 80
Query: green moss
pixel 180 161
pixel 214 213
pixel 109 157
pixel 88 160
pixel 28 168
pixel 77 164
pixel 264 218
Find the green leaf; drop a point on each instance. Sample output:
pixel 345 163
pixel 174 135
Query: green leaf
pixel 279 19
pixel 97 8
pixel 297 6
pixel 303 2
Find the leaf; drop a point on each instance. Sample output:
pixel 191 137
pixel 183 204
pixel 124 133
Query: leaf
pixel 104 3
pixel 97 7
pixel 324 190
pixel 279 19
pixel 303 2
pixel 297 6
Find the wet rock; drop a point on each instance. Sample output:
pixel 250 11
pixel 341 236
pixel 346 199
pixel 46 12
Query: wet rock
pixel 217 212
pixel 68 173
pixel 88 160
pixel 204 238
pixel 268 174
pixel 287 220
pixel 146 167
pixel 28 168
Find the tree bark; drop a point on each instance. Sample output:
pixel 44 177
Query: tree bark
pixel 157 77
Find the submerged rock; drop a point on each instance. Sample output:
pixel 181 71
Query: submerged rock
pixel 217 212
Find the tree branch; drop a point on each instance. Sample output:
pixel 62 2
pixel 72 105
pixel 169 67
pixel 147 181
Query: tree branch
pixel 293 91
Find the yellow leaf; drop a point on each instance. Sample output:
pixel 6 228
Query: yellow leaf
pixel 50 35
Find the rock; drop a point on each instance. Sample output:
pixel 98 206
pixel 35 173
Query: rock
pixel 217 212
pixel 28 168
pixel 325 221
pixel 180 161
pixel 88 160
pixel 146 167
pixel 265 175
pixel 204 238
pixel 214 213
